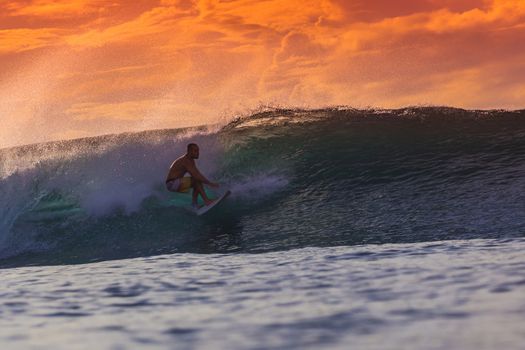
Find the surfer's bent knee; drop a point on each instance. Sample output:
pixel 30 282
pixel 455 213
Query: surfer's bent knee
pixel 173 185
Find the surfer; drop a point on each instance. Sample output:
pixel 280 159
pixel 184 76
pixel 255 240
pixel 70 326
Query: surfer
pixel 177 182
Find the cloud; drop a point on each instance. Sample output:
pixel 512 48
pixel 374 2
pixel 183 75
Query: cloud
pixel 18 40
pixel 405 60
pixel 369 11
pixel 56 8
pixel 184 62
pixel 152 22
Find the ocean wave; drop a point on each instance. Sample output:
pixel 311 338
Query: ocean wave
pixel 299 178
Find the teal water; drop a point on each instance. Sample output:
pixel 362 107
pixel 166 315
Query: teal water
pixel 378 228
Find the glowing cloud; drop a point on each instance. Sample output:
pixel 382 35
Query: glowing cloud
pixel 88 67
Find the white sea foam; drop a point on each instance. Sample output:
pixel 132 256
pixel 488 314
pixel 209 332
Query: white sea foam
pixel 259 186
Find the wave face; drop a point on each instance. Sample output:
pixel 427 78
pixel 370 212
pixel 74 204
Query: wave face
pixel 299 178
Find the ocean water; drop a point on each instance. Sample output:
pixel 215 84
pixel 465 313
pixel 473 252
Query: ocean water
pixel 367 229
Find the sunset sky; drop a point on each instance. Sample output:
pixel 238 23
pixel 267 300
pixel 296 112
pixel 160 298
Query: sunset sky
pixel 74 68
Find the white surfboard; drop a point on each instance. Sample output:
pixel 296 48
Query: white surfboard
pixel 206 208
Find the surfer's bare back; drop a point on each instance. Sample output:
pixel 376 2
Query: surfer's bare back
pixel 176 182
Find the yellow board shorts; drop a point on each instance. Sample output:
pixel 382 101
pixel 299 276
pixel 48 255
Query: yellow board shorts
pixel 179 185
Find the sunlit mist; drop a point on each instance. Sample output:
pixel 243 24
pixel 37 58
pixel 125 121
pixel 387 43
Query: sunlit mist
pixel 86 67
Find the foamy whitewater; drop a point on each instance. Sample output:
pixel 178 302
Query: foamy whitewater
pixel 366 229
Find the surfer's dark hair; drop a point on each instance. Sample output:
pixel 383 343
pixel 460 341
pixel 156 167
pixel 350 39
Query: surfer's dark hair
pixel 190 146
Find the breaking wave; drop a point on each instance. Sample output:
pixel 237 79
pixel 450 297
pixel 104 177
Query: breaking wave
pixel 299 178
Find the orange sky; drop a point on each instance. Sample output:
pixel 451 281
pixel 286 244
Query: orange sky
pixel 72 68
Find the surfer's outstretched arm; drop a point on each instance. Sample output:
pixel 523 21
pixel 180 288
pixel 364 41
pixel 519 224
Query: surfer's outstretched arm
pixel 196 174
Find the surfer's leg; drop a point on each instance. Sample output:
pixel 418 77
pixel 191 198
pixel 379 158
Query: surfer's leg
pixel 198 188
pixel 195 194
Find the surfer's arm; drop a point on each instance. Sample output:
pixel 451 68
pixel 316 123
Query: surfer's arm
pixel 195 173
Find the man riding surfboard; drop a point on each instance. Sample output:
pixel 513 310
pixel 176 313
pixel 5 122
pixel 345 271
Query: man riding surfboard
pixel 177 182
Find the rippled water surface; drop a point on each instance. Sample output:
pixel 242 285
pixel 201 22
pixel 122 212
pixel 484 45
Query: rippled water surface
pixel 440 295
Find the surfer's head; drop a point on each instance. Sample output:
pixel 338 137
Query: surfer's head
pixel 193 151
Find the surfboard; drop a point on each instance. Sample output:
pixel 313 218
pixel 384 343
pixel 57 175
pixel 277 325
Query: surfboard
pixel 205 208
